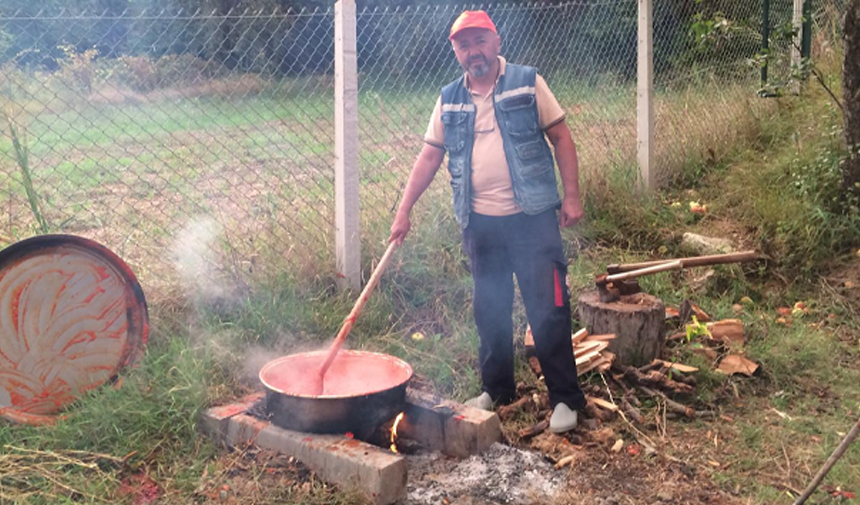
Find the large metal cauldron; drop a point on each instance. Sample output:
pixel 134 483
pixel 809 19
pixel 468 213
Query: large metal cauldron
pixel 362 391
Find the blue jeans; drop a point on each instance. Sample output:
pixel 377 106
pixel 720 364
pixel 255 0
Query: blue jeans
pixel 530 248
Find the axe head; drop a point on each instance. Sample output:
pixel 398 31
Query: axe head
pixel 612 291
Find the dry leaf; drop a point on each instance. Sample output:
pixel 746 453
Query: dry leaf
pixel 733 364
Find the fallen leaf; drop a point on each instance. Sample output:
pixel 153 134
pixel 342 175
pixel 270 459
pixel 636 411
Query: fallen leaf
pixel 733 364
pixel 784 311
pixel 738 308
pixel 747 300
pixel 417 336
pixel 633 449
pixel 714 464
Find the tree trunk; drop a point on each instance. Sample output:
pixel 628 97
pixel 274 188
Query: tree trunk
pixel 851 96
pixel 636 320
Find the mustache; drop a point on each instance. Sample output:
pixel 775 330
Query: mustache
pixel 478 59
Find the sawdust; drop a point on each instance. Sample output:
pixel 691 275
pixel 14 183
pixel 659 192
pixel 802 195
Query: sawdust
pixel 501 475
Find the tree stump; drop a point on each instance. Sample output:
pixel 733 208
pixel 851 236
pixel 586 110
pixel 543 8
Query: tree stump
pixel 636 320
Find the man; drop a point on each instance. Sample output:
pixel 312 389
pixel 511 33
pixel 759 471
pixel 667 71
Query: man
pixel 493 123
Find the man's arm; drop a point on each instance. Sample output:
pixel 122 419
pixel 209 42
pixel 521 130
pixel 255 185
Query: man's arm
pixel 422 174
pixel 568 167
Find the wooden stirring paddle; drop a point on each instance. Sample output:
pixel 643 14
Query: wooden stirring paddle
pixel 318 382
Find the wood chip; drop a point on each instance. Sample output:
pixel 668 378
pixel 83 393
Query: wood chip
pixel 618 445
pixel 579 336
pixel 563 462
pixel 680 367
pixel 734 363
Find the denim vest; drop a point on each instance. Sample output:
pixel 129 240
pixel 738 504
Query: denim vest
pixel 529 157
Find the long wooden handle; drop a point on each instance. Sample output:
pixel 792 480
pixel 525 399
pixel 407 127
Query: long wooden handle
pixel 695 261
pixel 349 322
pixel 661 267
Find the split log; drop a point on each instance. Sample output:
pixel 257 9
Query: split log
pixel 594 364
pixel 579 336
pixel 600 402
pixel 636 321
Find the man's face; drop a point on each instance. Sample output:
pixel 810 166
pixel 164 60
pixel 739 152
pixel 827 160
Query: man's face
pixel 476 49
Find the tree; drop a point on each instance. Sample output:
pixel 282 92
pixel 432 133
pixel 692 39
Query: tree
pixel 851 96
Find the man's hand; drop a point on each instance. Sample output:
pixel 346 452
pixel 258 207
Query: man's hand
pixel 400 227
pixel 571 211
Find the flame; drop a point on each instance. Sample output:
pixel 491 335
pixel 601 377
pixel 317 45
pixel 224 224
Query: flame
pixel 394 432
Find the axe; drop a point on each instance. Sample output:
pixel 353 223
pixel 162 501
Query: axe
pixel 620 279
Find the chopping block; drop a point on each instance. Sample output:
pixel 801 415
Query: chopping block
pixel 636 320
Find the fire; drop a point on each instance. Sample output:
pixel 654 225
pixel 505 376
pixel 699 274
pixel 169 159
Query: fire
pixel 394 432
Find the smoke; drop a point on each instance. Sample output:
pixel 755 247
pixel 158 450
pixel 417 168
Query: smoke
pixel 196 260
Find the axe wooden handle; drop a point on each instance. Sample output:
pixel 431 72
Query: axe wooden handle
pixel 695 261
pixel 661 267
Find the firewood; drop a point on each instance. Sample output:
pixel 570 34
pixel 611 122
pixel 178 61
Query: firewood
pixel 587 358
pixel 534 430
pixel 596 363
pixel 507 411
pixel 579 336
pixel 680 367
pixel 654 365
pixel 595 412
pixel 654 379
pixel 586 347
pixel 671 405
pixel 632 412
pixel 604 367
pixel 601 338
pixel 600 402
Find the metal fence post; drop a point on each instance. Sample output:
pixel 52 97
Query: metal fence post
pixel 645 95
pixel 347 243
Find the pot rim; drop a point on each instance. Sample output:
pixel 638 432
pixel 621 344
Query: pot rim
pixel 393 359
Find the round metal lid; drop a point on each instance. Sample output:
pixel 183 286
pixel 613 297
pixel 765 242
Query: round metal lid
pixel 72 315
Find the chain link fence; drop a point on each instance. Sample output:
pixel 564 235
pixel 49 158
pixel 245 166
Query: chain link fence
pixel 199 146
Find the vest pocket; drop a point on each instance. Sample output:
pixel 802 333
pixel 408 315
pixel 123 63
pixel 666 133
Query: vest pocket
pixel 520 115
pixel 455 130
pixel 532 155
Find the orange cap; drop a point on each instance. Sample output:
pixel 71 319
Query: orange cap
pixel 472 19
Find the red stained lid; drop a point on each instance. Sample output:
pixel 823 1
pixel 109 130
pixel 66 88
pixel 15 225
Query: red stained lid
pixel 72 315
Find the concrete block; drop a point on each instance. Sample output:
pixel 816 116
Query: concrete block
pixel 214 420
pixel 449 427
pixel 350 463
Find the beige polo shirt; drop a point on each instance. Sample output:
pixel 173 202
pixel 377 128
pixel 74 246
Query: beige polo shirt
pixel 492 190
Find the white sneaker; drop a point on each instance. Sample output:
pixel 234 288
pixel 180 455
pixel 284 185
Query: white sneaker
pixel 563 419
pixel 483 402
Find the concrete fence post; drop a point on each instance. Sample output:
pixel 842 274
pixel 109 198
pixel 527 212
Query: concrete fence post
pixel 645 96
pixel 347 233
